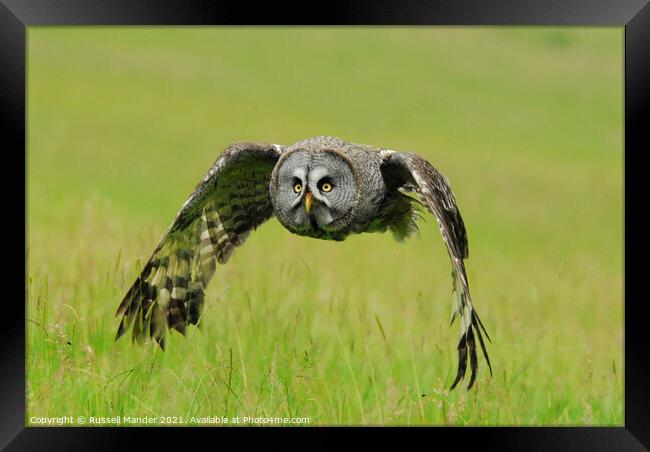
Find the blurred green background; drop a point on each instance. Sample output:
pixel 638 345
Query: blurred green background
pixel 527 123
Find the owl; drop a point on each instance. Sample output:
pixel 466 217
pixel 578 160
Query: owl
pixel 322 187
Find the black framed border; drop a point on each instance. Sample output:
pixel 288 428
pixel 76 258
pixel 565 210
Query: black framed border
pixel 634 15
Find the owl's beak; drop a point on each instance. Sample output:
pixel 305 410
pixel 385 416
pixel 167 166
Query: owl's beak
pixel 308 200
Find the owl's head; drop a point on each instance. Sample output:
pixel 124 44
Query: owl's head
pixel 314 192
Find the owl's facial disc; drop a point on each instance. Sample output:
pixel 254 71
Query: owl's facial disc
pixel 314 193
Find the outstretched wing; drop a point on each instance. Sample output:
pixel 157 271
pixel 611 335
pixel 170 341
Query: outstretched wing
pixel 230 201
pixel 407 171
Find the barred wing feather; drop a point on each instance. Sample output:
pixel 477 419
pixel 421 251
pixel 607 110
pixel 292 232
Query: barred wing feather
pixel 403 169
pixel 230 201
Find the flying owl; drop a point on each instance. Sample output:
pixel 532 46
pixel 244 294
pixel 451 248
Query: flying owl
pixel 322 187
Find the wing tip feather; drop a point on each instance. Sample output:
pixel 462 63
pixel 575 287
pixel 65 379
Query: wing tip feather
pixel 467 346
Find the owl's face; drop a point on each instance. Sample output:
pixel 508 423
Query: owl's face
pixel 314 193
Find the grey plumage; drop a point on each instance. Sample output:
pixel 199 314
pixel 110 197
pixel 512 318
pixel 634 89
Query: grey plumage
pixel 321 187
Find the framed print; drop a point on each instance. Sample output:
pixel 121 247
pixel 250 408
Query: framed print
pixel 230 223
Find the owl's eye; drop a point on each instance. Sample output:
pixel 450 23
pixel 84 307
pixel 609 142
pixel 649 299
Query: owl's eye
pixel 297 187
pixel 326 186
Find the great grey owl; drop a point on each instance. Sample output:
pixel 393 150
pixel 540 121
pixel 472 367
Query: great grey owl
pixel 321 187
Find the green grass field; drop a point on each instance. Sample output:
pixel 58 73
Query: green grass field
pixel 527 123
